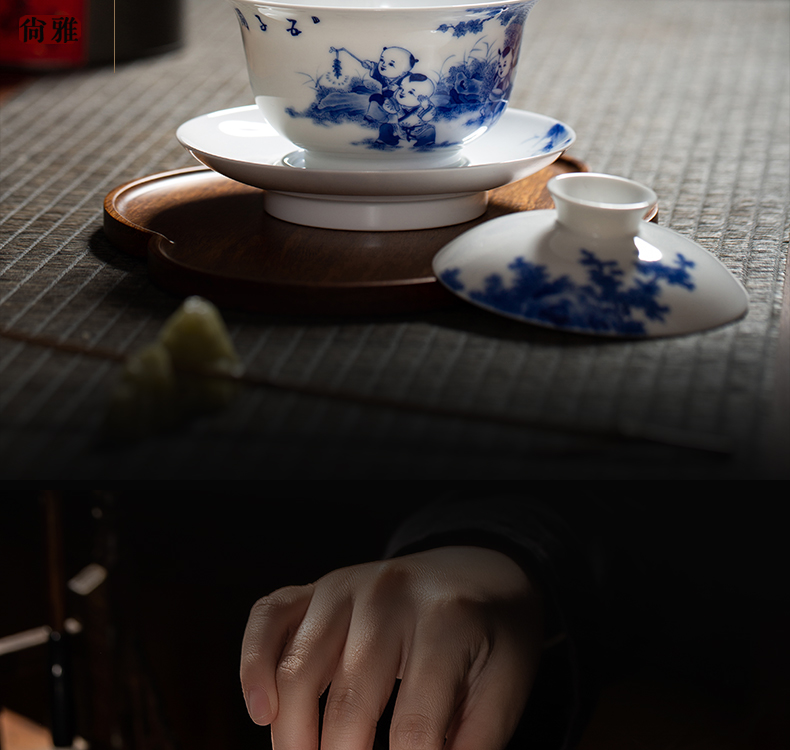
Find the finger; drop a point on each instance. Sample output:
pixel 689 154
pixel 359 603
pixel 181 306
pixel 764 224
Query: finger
pixel 432 686
pixel 306 666
pixel 271 622
pixel 499 688
pixel 493 705
pixel 364 680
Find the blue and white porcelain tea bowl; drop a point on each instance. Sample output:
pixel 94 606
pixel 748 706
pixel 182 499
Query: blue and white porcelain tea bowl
pixel 592 265
pixel 364 82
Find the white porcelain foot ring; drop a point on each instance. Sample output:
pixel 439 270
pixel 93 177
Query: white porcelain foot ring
pixel 375 213
pixel 240 144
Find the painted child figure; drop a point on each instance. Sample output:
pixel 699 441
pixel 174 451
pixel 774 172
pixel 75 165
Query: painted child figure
pixel 394 64
pixel 501 88
pixel 410 113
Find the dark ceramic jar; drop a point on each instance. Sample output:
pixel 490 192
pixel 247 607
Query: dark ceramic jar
pixel 45 35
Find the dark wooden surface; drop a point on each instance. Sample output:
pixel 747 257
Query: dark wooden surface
pixel 205 234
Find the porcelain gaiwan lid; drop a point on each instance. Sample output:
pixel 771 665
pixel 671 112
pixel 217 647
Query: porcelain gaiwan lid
pixel 592 265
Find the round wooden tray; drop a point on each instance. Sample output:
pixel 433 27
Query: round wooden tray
pixel 205 234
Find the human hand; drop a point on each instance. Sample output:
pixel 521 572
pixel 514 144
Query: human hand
pixel 461 627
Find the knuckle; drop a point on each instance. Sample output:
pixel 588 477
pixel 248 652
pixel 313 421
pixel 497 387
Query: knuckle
pixel 393 574
pixel 250 659
pixel 448 617
pixel 415 732
pixel 457 617
pixel 293 665
pixel 347 706
pixel 270 604
pixel 264 612
pixel 262 623
pixel 390 580
pixel 340 582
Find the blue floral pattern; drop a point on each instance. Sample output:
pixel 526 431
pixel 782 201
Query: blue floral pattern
pixel 475 25
pixel 601 305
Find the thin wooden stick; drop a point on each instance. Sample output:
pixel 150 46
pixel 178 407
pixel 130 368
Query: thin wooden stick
pixel 623 431
pixel 57 580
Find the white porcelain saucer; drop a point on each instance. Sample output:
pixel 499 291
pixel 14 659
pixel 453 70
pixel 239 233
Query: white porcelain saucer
pixel 240 144
pixel 592 266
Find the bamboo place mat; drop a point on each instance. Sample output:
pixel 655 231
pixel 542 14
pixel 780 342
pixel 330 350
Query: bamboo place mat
pixel 690 97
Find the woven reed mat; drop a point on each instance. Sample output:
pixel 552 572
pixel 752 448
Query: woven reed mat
pixel 687 96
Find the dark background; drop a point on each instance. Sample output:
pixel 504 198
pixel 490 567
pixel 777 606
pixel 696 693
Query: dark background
pixel 156 665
